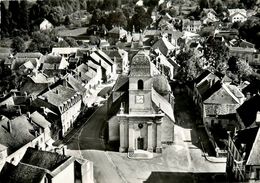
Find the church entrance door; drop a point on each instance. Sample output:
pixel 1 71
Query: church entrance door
pixel 140 143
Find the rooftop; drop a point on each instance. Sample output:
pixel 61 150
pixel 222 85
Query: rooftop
pixel 248 110
pixel 58 95
pixel 40 120
pixel 43 159
pixel 20 133
pixel 21 173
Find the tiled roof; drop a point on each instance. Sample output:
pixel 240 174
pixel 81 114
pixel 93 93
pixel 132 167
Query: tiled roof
pixel 41 78
pixel 53 62
pixel 241 49
pixel 206 89
pixel 225 95
pixel 29 55
pixel 112 53
pixel 140 65
pixel 58 95
pixel 105 57
pixel 248 110
pixel 73 32
pixel 121 80
pixel 43 159
pixel 20 134
pixel 32 88
pixel 52 59
pixel 5 50
pixel 254 156
pixel 161 85
pixel 4 55
pixel 22 61
pixel 40 120
pixel 64 50
pixel 163 104
pixel 164 46
pixel 21 173
pixel 75 84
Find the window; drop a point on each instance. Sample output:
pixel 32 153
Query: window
pixel 140 84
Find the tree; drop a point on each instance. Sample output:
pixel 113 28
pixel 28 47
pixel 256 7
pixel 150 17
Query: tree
pixel 14 9
pixel 117 18
pixel 42 42
pixel 72 42
pixel 141 19
pixel 249 30
pixel 24 15
pixel 5 20
pixel 18 44
pixel 67 20
pixel 96 17
pixel 203 4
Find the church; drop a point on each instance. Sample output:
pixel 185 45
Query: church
pixel 145 119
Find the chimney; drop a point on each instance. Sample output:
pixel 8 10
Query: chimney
pixel 64 150
pixel 248 95
pixel 28 115
pixel 9 126
pixel 257 120
pixel 57 91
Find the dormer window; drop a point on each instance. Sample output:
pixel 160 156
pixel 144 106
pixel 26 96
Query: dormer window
pixel 140 84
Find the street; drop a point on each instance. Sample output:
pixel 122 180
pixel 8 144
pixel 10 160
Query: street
pixel 88 143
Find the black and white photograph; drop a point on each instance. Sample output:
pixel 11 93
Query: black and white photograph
pixel 130 91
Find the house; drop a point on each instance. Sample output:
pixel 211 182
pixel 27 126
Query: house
pixel 247 53
pixel 243 155
pixel 173 36
pixel 191 25
pixel 218 100
pixel 164 46
pixel 146 118
pixel 109 67
pixel 120 58
pixel 220 104
pixel 237 15
pixel 117 33
pixel 54 65
pixel 46 25
pixel 63 102
pixel 39 166
pixel 243 162
pixel 247 113
pixel 22 132
pixel 70 81
pixel 163 63
pixel 36 55
pixel 64 52
pixel 209 16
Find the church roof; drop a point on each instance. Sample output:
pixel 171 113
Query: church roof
pixel 163 104
pixel 140 65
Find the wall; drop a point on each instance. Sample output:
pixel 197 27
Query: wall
pixel 66 174
pixel 69 116
pixel 87 172
pixel 113 129
pixel 133 92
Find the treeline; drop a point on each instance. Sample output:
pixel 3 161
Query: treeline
pixel 129 18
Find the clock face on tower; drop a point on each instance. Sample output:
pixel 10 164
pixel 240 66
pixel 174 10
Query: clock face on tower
pixel 139 99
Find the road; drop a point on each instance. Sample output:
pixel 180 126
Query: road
pixel 88 143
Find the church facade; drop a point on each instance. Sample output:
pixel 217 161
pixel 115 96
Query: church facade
pixel 141 126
